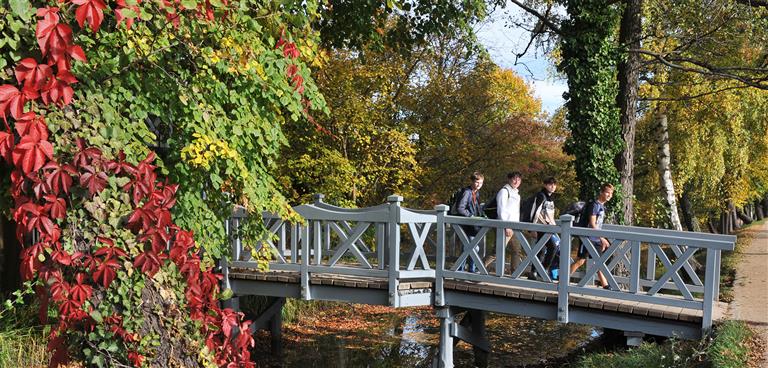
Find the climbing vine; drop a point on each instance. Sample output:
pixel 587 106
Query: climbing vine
pixel 105 106
pixel 589 61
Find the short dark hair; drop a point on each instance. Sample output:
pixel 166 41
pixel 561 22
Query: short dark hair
pixel 550 180
pixel 514 174
pixel 476 176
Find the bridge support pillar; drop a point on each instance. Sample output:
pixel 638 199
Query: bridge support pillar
pixel 276 331
pixel 480 344
pixel 444 358
pixel 232 303
pixel 634 338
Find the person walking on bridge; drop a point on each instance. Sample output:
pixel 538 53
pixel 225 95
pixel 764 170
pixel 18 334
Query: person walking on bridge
pixel 544 207
pixel 469 206
pixel 593 216
pixel 508 209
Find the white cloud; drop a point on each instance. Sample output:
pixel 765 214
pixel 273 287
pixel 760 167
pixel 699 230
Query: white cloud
pixel 550 92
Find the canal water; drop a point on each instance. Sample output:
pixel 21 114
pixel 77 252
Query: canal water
pixel 349 335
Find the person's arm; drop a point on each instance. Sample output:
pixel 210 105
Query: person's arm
pixel 503 197
pixel 502 201
pixel 538 209
pixel 466 197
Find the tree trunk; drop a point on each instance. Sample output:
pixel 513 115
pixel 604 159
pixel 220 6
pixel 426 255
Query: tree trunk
pixel 759 211
pixel 630 33
pixel 689 217
pixel 743 216
pixel 712 228
pixel 734 220
pixel 665 174
pixel 765 205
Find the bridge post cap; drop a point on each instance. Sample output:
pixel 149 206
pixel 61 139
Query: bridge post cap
pixel 318 197
pixel 395 198
pixel 442 208
pixel 567 218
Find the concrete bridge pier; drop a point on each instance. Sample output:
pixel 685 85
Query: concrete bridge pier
pixel 470 329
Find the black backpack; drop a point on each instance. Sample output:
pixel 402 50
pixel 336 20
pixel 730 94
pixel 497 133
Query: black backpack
pixel 527 210
pixel 575 209
pixel 453 201
pixel 491 208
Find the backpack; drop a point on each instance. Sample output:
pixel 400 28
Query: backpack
pixel 453 201
pixel 583 215
pixel 491 208
pixel 527 210
pixel 575 209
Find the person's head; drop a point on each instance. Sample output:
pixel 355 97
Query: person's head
pixel 514 179
pixel 606 193
pixel 550 184
pixel 476 180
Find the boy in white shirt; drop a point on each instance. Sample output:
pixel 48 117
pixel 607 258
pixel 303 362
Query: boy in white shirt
pixel 508 209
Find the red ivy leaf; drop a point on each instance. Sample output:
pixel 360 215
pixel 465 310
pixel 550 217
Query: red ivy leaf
pixel 91 11
pixel 120 166
pixel 81 291
pixel 32 153
pixel 31 123
pixel 33 74
pixel 77 53
pixel 85 155
pixel 12 101
pixel 53 37
pixel 59 177
pixel 57 206
pixel 30 260
pixel 59 90
pixel 6 145
pixel 94 180
pixel 149 262
pixel 105 272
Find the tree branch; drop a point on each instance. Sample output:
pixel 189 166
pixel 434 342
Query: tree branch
pixel 541 17
pixel 693 97
pixel 700 67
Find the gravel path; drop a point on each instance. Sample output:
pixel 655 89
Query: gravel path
pixel 750 302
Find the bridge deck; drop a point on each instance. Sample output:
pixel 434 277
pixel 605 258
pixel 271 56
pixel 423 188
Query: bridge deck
pixel 592 303
pixel 581 301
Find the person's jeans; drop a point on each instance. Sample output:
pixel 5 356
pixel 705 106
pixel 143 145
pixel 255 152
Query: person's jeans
pixel 551 257
pixel 469 265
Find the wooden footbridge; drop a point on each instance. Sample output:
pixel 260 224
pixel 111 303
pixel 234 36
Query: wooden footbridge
pixel 662 282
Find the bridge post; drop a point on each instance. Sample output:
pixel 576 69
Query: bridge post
pixel 441 210
pixel 564 276
pixel 710 285
pixel 444 358
pixel 306 244
pixel 393 244
pixel 223 263
pixel 276 330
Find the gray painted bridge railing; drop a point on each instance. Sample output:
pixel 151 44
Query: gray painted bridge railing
pixel 680 285
pixel 400 244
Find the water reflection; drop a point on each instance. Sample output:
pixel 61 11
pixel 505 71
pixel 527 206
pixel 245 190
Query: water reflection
pixel 365 336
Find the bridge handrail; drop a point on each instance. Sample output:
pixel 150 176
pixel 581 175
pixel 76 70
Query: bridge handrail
pixel 711 244
pixel 674 233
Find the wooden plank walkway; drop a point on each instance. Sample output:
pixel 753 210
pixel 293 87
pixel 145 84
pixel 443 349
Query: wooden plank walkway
pixel 289 277
pixel 576 300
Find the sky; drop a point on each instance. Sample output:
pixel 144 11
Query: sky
pixel 502 42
